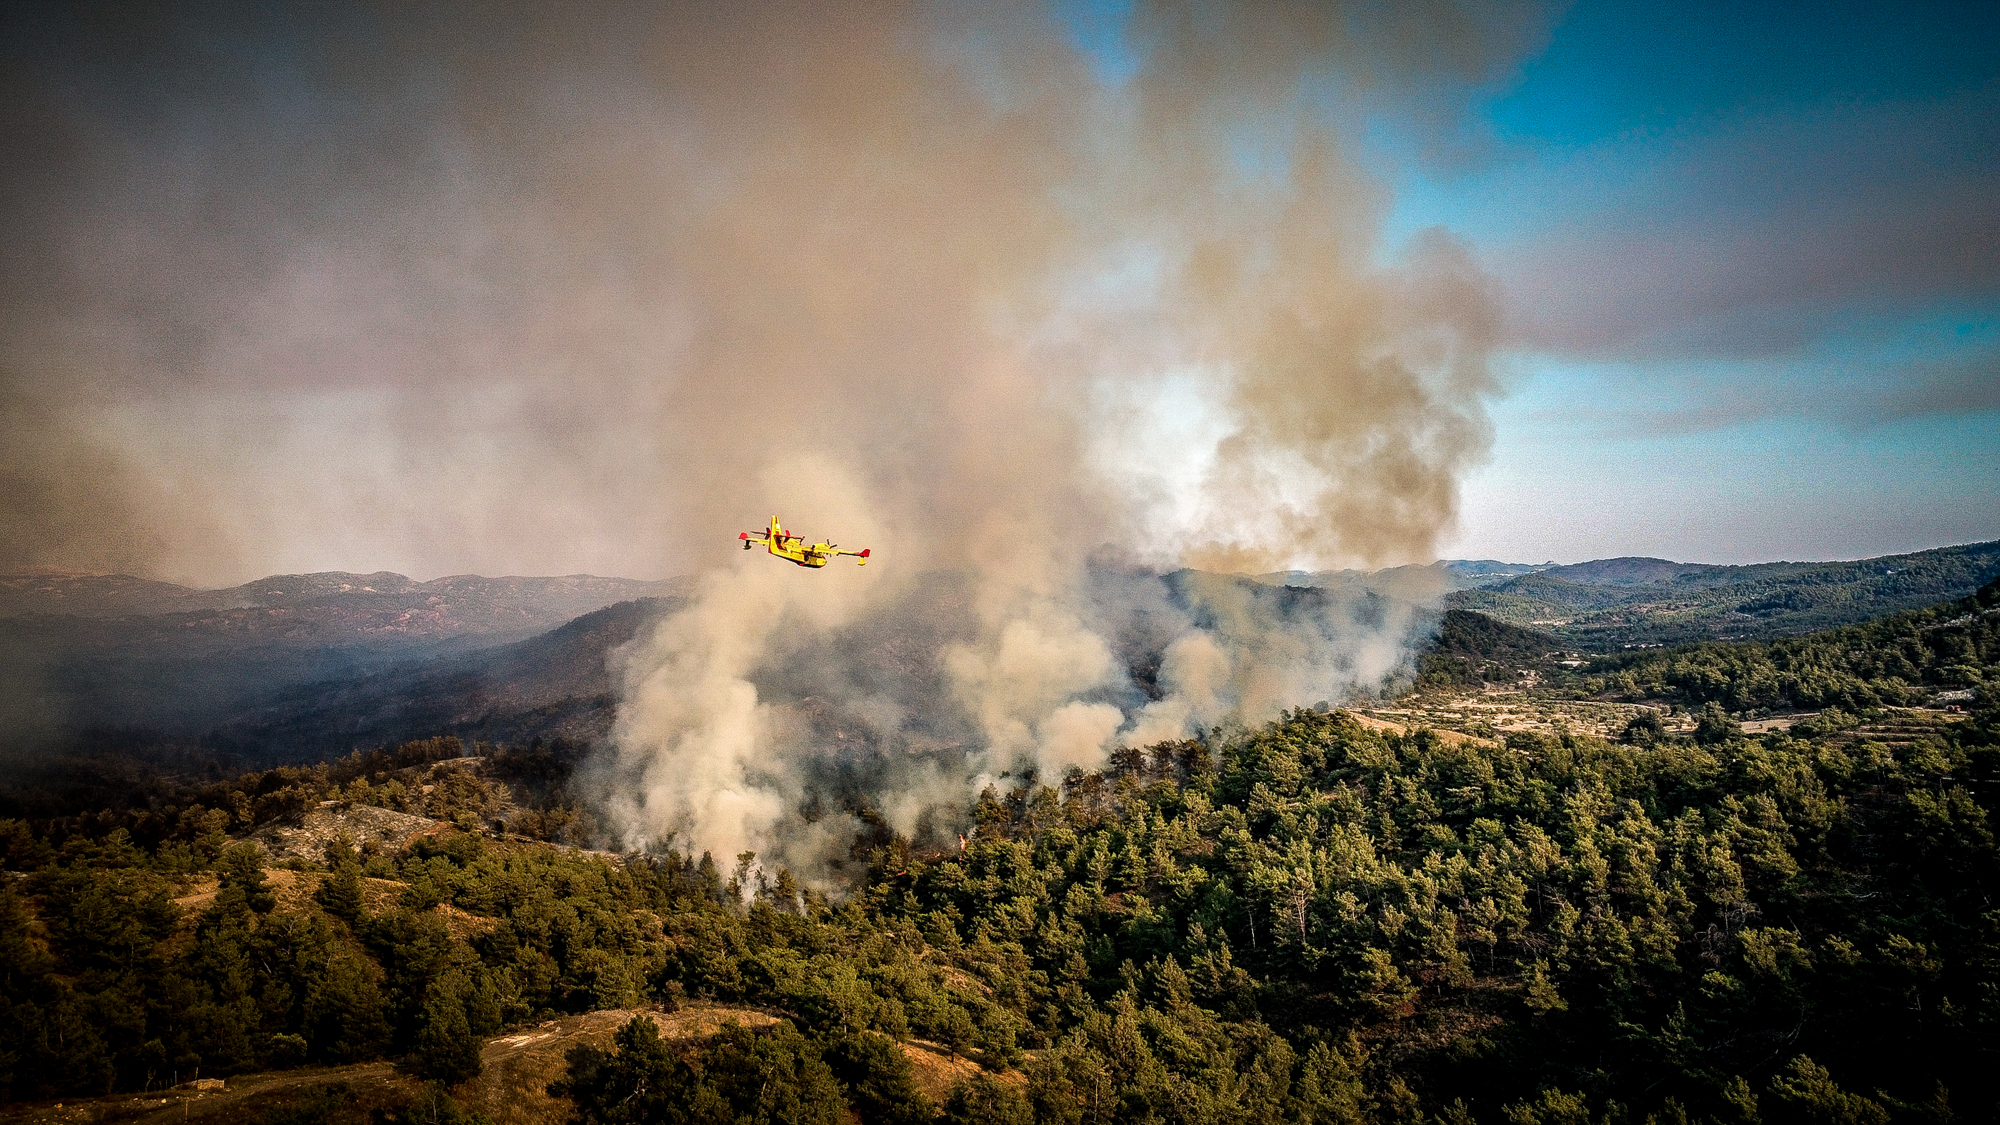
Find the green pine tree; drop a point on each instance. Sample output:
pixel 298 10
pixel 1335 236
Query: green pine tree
pixel 446 1049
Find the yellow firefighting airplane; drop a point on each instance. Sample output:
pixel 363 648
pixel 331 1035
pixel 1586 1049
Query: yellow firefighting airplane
pixel 785 545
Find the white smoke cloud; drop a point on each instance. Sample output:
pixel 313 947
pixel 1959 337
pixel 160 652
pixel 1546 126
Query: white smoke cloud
pixel 537 289
pixel 1135 354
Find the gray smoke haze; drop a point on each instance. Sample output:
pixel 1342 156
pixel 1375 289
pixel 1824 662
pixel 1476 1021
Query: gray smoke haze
pixel 520 288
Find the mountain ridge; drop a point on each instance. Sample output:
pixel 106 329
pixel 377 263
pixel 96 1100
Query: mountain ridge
pixel 271 663
pixel 76 652
pixel 1633 602
pixel 72 594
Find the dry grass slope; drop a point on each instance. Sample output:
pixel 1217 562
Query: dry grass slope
pixel 511 1089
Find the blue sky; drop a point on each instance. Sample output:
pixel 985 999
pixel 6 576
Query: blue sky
pixel 1754 252
pixel 1751 256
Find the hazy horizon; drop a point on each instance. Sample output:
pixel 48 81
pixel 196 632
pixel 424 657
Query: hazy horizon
pixel 421 578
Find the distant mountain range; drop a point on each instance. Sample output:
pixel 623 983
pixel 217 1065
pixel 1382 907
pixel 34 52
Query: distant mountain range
pixel 554 685
pixel 113 652
pixel 381 602
pixel 297 667
pixel 1610 604
pixel 1414 582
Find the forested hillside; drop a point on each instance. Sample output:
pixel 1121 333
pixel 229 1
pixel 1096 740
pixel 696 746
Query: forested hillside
pixel 1471 649
pixel 1901 660
pixel 1610 604
pixel 1312 921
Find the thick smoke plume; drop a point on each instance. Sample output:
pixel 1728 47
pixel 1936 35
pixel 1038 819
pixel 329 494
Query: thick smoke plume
pixel 514 287
pixel 1030 338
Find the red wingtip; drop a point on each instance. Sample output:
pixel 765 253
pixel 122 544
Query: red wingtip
pixel 864 552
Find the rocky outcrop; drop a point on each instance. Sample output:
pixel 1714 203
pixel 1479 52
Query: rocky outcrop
pixel 308 835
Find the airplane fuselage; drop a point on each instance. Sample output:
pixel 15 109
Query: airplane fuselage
pixel 796 550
